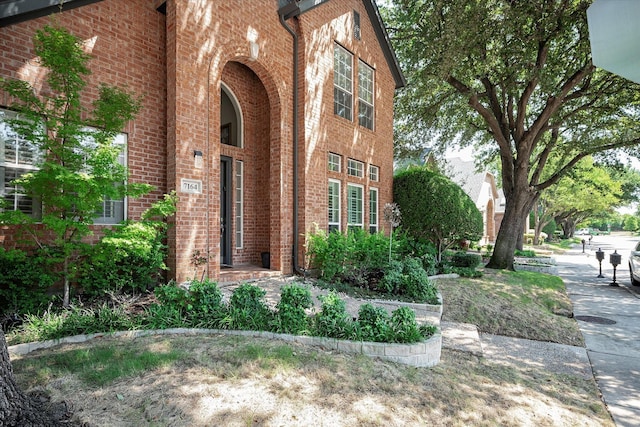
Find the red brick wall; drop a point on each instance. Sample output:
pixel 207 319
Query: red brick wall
pixel 179 62
pixel 127 49
pixel 326 132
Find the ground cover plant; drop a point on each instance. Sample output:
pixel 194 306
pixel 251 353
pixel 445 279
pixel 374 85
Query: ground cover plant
pixel 202 306
pixel 519 304
pixel 232 380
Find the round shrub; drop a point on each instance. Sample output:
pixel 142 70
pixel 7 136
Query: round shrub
pixel 465 260
pixel 435 208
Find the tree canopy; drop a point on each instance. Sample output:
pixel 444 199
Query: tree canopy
pixel 587 190
pixel 515 79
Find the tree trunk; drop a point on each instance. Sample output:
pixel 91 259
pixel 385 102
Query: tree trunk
pixel 16 408
pixel 511 230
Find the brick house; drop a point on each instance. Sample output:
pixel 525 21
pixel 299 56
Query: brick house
pixel 481 188
pixel 267 117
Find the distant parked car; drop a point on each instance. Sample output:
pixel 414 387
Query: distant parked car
pixel 588 231
pixel 634 265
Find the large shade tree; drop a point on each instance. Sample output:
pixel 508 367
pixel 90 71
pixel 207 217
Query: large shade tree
pixel 516 80
pixel 585 191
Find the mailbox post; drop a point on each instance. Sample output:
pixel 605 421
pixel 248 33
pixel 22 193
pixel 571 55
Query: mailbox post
pixel 600 258
pixel 615 259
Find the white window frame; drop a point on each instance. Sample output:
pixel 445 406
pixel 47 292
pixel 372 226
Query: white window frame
pixel 358 215
pixel 342 82
pixel 333 211
pixel 239 202
pixel 355 168
pixel 374 173
pixel 334 162
pixel 374 202
pixel 118 207
pixel 16 200
pixel 366 84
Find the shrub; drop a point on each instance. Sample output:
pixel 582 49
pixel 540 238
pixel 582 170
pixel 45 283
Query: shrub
pixel 435 208
pixel 407 278
pixel 248 310
pixel 172 295
pixel 129 257
pixel 404 326
pixel 464 259
pixel 294 300
pixel 525 253
pixel 333 320
pixel 24 281
pixel 467 272
pixel 373 323
pixel 207 306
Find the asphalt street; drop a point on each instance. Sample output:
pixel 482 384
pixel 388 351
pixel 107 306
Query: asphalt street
pixel 609 318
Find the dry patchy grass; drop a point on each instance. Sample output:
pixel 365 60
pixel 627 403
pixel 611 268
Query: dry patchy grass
pixel 236 381
pixel 516 304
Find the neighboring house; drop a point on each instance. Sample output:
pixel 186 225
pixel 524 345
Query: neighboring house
pixel 481 187
pixel 267 117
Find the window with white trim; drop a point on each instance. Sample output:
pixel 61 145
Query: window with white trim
pixel 374 173
pixel 355 206
pixel 373 210
pixel 335 162
pixel 239 190
pixel 17 157
pixel 365 95
pixel 334 205
pixel 342 82
pixel 355 168
pixel 111 211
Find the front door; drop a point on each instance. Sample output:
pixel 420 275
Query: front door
pixel 225 211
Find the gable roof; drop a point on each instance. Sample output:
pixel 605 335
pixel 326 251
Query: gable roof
pixel 378 26
pixel 465 175
pixel 14 11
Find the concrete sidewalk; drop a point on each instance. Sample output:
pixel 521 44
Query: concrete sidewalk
pixel 609 318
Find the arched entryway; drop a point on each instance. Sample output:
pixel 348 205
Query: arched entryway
pixel 245 167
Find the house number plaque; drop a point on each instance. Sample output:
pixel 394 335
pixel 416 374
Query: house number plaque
pixel 191 186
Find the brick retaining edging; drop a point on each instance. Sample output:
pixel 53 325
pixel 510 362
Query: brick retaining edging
pixel 421 354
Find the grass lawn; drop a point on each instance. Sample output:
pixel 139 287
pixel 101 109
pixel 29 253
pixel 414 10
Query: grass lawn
pixel 518 304
pixel 237 381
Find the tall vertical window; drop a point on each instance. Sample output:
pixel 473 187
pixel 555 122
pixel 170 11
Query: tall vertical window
pixel 355 206
pixel 374 173
pixel 334 205
pixel 365 95
pixel 112 211
pixel 17 157
pixel 335 162
pixel 342 82
pixel 373 210
pixel 239 190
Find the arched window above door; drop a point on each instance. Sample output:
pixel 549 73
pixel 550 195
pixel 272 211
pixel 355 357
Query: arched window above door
pixel 230 118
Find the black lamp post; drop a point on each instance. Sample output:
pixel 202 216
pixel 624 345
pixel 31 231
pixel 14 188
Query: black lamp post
pixel 615 259
pixel 600 257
